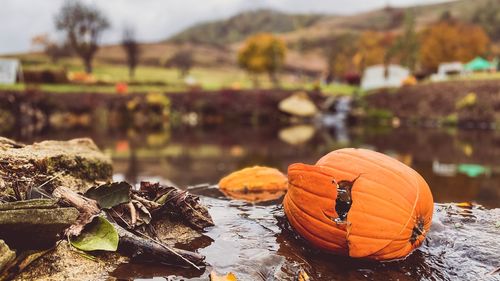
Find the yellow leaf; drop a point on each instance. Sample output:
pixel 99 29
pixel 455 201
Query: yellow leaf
pixel 465 205
pixel 228 277
pixel 303 276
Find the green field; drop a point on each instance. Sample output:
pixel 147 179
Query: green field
pixel 158 79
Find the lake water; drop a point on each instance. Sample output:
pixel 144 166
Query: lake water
pixel 254 240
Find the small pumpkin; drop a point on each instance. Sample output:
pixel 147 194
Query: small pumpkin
pixel 254 184
pixel 359 203
pixel 256 196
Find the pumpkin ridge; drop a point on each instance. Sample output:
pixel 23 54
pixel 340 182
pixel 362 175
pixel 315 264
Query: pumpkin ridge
pixel 308 191
pixel 384 219
pixel 297 205
pixel 306 230
pixel 383 200
pixel 378 164
pixel 381 185
pixel 403 228
pixel 378 253
pixel 399 233
pixel 320 170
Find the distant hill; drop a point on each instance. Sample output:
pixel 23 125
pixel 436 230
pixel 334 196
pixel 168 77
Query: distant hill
pixel 240 26
pixel 316 26
pixel 215 43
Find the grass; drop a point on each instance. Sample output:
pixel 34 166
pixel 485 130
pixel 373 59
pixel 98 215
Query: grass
pixel 159 79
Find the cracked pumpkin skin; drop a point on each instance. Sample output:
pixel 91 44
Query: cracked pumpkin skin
pixel 390 212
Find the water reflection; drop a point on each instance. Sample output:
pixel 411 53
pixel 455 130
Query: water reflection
pixel 458 165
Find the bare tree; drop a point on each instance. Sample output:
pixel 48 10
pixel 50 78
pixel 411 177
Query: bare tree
pixel 182 60
pixel 132 49
pixel 83 25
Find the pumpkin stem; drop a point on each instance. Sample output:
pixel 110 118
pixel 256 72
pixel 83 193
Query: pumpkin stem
pixel 418 230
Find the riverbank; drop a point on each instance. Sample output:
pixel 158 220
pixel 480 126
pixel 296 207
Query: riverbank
pixel 466 103
pixel 35 111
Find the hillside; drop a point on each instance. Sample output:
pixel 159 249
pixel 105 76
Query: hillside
pixel 314 29
pixel 240 26
pixel 216 43
pixel 322 32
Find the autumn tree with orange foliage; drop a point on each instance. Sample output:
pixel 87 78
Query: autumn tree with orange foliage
pixel 262 53
pixel 374 48
pixel 339 55
pixel 449 41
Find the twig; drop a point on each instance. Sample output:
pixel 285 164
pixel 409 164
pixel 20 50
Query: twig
pixel 38 188
pixel 133 213
pixel 168 248
pixel 121 218
pixel 138 242
pixel 149 204
pixel 494 271
pixel 88 208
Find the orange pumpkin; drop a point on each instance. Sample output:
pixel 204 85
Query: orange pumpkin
pixel 254 184
pixel 359 203
pixel 255 196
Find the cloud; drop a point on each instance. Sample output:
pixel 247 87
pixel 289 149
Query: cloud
pixel 155 20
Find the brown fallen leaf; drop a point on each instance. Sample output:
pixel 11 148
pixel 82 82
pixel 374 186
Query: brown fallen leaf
pixel 228 277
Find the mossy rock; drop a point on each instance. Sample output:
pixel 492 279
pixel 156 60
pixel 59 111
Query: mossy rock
pixel 76 164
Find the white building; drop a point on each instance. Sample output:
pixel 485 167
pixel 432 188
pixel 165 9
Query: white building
pixel 9 68
pixel 378 76
pixel 447 69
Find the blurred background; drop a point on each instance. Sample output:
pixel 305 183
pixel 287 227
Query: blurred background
pixel 187 92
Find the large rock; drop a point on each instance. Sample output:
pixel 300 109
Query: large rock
pixel 76 164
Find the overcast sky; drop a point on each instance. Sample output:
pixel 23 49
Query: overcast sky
pixel 155 20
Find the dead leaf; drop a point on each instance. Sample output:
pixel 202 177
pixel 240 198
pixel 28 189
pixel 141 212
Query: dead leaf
pixel 144 216
pixel 228 277
pixel 110 195
pixel 181 203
